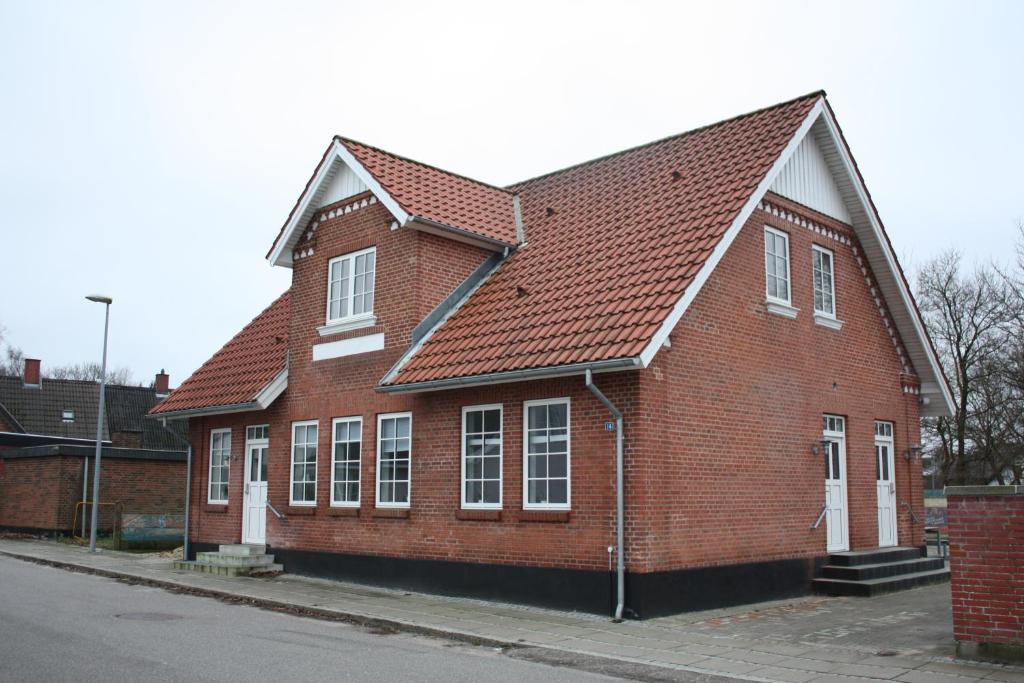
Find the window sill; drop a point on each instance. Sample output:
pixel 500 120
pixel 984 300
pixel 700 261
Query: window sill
pixel 216 507
pixel 478 515
pixel 828 321
pixel 390 513
pixel 343 512
pixel 301 510
pixel 347 324
pixel 549 516
pixel 785 310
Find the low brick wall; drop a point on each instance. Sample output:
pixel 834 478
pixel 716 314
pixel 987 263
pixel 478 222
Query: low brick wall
pixel 986 540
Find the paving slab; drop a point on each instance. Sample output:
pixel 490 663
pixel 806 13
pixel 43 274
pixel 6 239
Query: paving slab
pixel 902 636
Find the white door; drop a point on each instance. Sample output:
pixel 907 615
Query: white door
pixel 836 518
pixel 254 510
pixel 885 482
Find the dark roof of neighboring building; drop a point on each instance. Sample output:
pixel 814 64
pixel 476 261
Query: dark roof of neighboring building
pixel 80 451
pixel 241 369
pixel 126 412
pixel 39 411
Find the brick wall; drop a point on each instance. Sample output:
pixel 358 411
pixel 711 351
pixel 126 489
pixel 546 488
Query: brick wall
pixel 41 492
pixel 986 543
pixel 718 432
pixel 731 410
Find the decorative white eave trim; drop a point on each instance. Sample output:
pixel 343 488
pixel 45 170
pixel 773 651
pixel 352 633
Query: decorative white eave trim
pixel 305 209
pixel 280 255
pixel 936 382
pixel 274 388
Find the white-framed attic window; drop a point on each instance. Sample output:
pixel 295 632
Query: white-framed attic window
pixel 350 290
pixel 778 287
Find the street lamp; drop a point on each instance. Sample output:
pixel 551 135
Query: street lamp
pixel 106 301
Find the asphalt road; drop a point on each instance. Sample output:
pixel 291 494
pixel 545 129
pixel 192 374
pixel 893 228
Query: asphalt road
pixel 62 626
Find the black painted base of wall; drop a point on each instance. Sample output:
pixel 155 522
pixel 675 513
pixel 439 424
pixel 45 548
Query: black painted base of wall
pixel 689 590
pixel 647 595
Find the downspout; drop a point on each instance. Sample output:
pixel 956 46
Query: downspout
pixel 188 485
pixel 620 507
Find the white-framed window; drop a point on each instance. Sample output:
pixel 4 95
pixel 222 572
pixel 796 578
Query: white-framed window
pixel 67 416
pixel 394 459
pixel 304 446
pixel 822 262
pixel 883 446
pixel 350 285
pixel 546 454
pixel 776 266
pixel 481 456
pixel 347 450
pixel 220 464
pixel 257 433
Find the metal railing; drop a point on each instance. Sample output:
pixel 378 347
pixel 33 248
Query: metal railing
pixel 913 515
pixel 821 516
pixel 277 513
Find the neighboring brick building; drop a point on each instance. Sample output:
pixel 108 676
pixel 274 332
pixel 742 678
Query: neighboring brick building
pixel 986 546
pixel 729 290
pixel 47 440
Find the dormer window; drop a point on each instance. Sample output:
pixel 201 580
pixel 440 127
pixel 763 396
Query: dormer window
pixel 350 289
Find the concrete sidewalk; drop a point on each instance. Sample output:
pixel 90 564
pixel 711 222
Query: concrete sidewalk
pixel 904 636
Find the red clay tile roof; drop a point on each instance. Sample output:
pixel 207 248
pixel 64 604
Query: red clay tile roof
pixel 241 369
pixel 612 245
pixel 440 196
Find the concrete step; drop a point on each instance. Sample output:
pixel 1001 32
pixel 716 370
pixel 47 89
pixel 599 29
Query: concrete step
pixel 220 570
pixel 888 584
pixel 875 556
pixel 863 572
pixel 223 560
pixel 243 549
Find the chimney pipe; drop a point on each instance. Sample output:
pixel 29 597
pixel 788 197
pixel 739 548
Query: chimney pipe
pixel 163 383
pixel 32 372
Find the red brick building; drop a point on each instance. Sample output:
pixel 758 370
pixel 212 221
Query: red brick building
pixel 433 402
pixel 47 445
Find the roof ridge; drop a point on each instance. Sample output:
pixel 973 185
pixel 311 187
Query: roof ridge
pixel 692 131
pixel 492 186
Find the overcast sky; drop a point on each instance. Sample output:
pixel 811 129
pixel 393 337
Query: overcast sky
pixel 151 151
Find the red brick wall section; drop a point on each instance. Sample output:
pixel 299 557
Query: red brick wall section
pixel 718 431
pixel 723 470
pixel 986 543
pixel 30 492
pixel 41 493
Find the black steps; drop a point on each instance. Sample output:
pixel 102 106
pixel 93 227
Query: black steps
pixel 883 570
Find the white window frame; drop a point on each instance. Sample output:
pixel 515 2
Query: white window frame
pixel 291 466
pixel 815 250
pixel 376 492
pixel 351 320
pixel 225 465
pixel 527 505
pixel 501 457
pixel 359 469
pixel 777 304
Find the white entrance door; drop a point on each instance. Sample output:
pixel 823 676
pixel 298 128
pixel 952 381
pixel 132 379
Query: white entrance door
pixel 254 509
pixel 885 481
pixel 836 517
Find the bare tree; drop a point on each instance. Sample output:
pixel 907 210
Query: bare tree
pixel 971 317
pixel 12 359
pixel 90 372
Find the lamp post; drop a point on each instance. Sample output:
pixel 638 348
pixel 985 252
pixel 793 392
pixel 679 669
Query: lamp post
pixel 106 301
